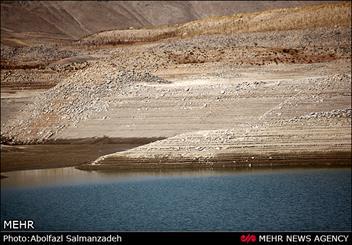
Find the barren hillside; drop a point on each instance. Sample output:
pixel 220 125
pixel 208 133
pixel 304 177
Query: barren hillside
pixel 247 88
pixel 72 19
pixel 309 17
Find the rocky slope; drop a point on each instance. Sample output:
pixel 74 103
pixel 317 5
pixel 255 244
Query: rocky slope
pixel 217 96
pixel 24 20
pixel 316 144
pixel 320 137
pixel 308 17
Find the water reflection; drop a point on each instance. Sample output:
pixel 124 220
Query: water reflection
pixel 73 176
pixel 182 200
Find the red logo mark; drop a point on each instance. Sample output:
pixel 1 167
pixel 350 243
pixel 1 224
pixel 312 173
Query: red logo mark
pixel 248 238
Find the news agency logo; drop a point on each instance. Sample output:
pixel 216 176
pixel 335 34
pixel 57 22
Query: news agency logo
pixel 296 238
pixel 248 238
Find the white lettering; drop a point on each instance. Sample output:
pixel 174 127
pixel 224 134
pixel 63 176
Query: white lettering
pixel 18 224
pixel 298 238
pixel 270 238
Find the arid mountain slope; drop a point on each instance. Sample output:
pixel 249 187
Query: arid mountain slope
pixel 73 20
pixel 285 19
pixel 95 89
pixel 224 90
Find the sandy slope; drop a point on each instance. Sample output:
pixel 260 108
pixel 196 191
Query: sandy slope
pixel 232 97
pixel 262 126
pixel 72 20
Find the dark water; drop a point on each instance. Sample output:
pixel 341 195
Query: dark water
pixel 289 199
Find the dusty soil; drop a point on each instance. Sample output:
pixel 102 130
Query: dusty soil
pixel 23 23
pixel 60 154
pixel 221 96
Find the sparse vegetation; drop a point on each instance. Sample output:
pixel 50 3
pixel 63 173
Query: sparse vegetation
pixel 324 15
pixel 239 86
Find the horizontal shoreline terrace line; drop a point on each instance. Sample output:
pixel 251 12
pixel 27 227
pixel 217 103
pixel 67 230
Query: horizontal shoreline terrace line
pixel 90 140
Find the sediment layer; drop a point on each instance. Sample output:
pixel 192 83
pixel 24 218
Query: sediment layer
pixel 285 143
pixel 250 89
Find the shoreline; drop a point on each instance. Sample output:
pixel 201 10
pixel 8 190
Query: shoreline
pixel 311 159
pixel 314 159
pixel 220 97
pixel 135 154
pixel 66 153
pixel 174 169
pixel 87 140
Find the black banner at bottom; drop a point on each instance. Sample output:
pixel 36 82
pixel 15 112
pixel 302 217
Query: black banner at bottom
pixel 11 237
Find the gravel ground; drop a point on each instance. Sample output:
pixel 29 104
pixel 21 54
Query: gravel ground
pixel 207 93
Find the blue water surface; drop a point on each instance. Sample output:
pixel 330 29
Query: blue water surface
pixel 291 199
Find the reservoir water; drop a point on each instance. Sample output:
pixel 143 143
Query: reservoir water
pixel 199 200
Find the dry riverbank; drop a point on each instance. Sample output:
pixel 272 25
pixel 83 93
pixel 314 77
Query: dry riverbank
pixel 286 143
pixel 261 88
pixel 62 153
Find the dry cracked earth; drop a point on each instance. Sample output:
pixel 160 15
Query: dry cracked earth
pixel 231 98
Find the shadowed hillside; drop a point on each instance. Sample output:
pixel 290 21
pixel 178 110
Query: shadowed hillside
pixel 73 20
pixel 305 17
pixel 236 89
